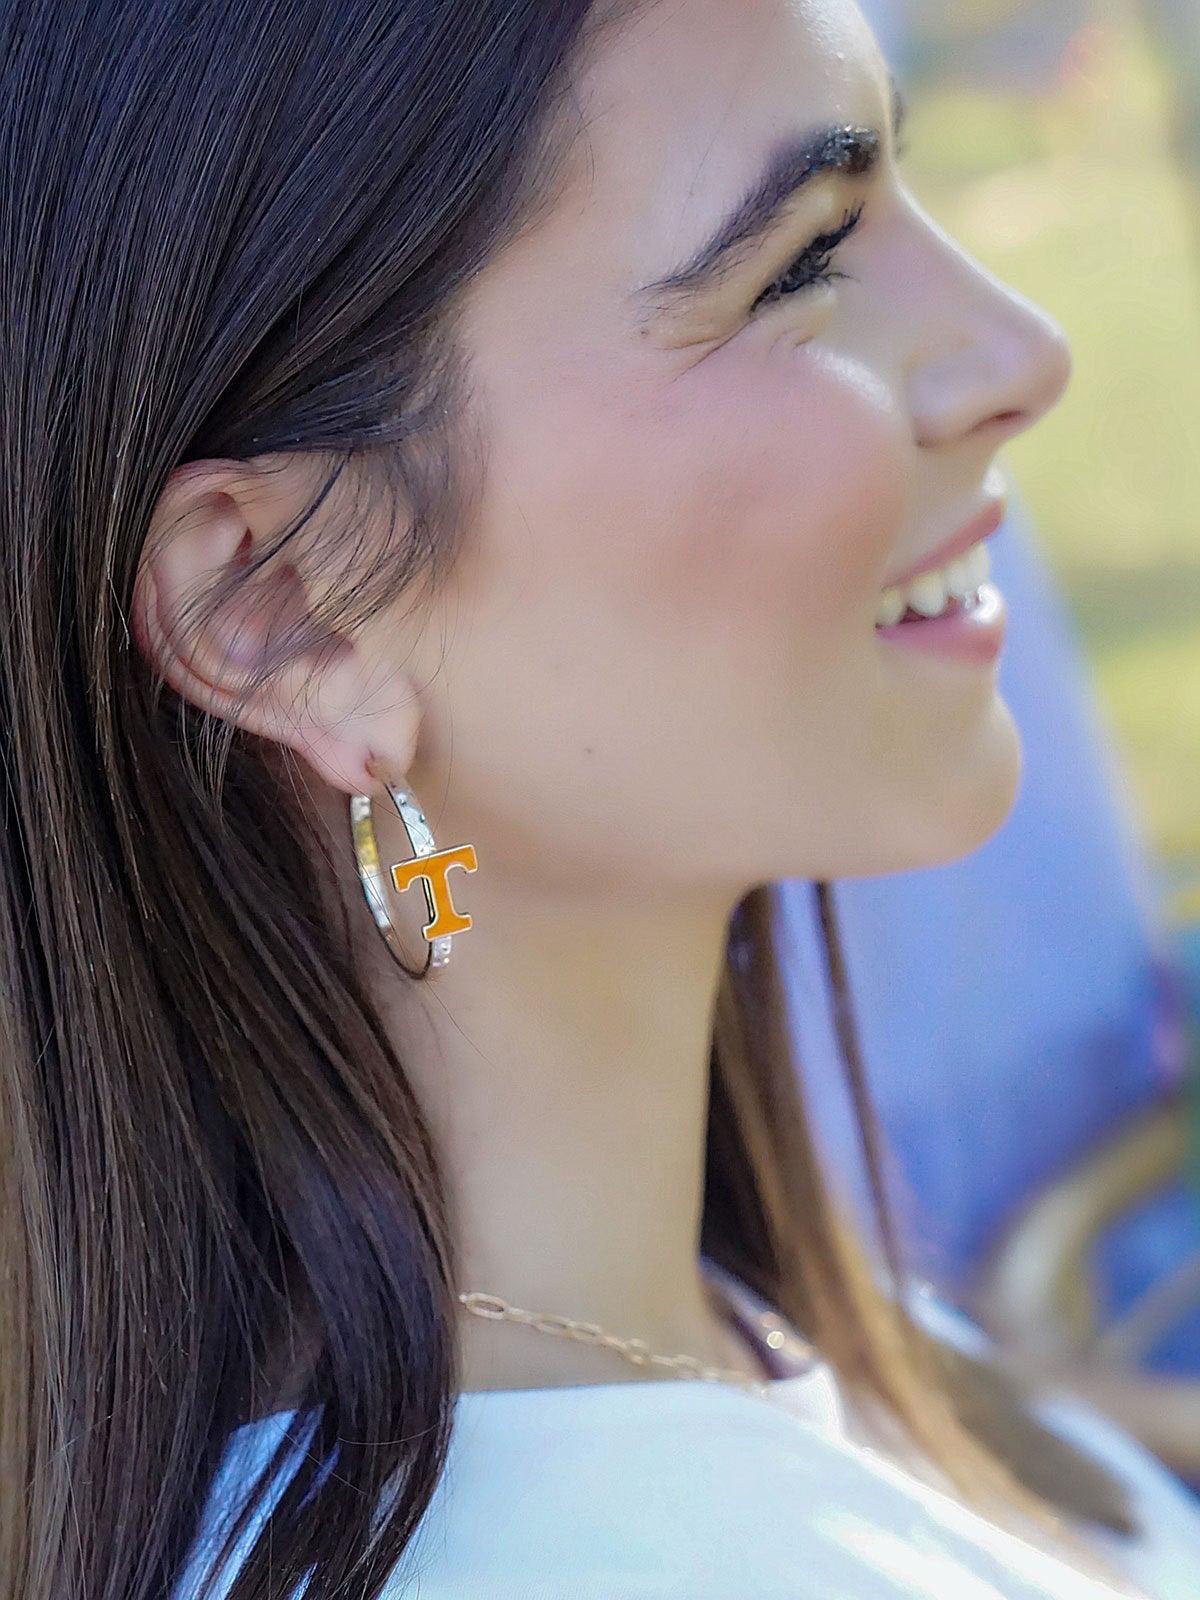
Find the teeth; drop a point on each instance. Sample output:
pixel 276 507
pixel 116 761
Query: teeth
pixel 892 606
pixel 928 593
pixel 958 578
pixel 980 564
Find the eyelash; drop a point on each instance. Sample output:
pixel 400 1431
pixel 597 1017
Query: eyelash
pixel 812 264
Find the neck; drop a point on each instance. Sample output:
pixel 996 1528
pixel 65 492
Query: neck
pixel 561 1060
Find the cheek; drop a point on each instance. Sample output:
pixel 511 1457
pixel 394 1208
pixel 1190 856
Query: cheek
pixel 764 483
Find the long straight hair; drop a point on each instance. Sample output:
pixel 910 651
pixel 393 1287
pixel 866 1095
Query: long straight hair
pixel 230 230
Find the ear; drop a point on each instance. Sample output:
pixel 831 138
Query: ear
pixel 338 704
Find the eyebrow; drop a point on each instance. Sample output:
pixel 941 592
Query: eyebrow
pixel 791 164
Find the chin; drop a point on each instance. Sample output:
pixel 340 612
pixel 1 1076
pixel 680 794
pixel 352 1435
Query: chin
pixel 965 797
pixel 979 796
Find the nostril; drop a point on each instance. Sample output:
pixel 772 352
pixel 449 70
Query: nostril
pixel 1004 423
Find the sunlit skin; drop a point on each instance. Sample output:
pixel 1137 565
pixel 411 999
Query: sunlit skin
pixel 653 681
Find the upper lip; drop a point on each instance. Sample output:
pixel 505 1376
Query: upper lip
pixel 980 527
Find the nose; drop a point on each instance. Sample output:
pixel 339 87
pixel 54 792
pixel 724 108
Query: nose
pixel 988 362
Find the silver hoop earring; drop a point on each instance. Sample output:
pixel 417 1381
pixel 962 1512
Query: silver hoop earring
pixel 428 864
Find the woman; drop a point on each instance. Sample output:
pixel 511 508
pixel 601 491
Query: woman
pixel 521 408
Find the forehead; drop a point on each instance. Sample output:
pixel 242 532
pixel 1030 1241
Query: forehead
pixel 680 107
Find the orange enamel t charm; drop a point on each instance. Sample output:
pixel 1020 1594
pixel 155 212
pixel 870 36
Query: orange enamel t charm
pixel 432 869
pixel 428 864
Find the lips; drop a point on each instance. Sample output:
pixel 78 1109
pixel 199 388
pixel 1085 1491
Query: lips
pixel 972 633
pixel 981 526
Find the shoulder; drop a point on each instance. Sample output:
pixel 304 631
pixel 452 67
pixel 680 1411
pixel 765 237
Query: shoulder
pixel 1163 1556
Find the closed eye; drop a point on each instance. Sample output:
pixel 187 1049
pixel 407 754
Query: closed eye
pixel 811 266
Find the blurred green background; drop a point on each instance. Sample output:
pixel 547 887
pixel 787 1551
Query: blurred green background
pixel 1073 196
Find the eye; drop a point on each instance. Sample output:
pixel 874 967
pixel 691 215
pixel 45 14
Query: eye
pixel 811 265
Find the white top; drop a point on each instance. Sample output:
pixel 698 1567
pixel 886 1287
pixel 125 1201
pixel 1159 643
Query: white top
pixel 702 1491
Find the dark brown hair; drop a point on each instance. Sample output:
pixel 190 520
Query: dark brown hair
pixel 231 230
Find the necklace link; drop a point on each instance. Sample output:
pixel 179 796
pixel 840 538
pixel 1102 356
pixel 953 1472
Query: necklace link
pixel 634 1350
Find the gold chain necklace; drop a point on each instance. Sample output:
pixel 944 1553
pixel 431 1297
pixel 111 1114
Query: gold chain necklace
pixel 634 1350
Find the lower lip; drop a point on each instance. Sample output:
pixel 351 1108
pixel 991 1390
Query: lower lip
pixel 973 631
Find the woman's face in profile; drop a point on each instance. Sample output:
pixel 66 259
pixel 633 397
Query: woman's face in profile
pixel 660 642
